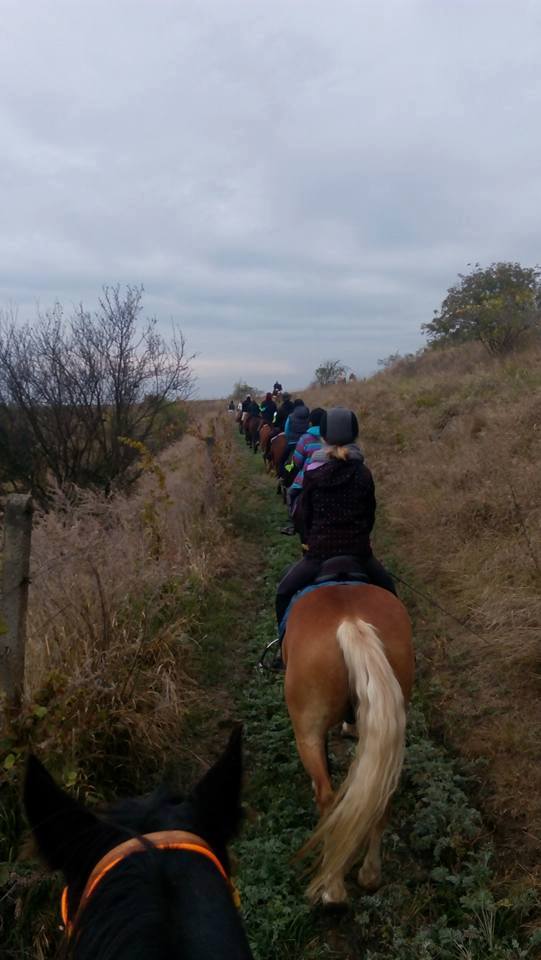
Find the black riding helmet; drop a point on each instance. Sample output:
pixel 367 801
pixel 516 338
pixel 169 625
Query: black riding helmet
pixel 339 427
pixel 315 416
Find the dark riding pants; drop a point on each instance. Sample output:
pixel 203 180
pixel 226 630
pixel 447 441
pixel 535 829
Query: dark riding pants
pixel 305 571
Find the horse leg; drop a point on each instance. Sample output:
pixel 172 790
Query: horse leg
pixel 313 754
pixel 369 876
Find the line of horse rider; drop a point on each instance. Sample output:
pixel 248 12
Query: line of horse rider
pixel 328 488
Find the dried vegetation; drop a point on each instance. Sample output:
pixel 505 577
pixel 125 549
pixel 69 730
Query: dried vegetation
pixel 454 440
pixel 110 640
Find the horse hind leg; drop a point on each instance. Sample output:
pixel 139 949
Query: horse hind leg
pixel 369 876
pixel 313 754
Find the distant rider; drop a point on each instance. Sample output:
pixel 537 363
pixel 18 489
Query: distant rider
pixel 302 457
pixel 284 410
pixel 246 407
pixel 268 409
pixel 296 424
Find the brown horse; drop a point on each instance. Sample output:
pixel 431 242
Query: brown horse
pixel 251 431
pixel 266 434
pixel 342 644
pixel 246 428
pixel 278 446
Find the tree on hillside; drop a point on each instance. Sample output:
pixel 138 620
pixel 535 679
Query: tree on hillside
pixel 85 388
pixel 241 389
pixel 497 306
pixel 330 371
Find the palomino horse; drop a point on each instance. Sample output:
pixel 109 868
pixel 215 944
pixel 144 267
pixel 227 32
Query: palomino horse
pixel 349 643
pixel 150 877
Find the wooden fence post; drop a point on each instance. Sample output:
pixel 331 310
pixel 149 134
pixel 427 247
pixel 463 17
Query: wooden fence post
pixel 14 596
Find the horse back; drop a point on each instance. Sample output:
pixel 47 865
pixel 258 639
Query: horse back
pixel 311 651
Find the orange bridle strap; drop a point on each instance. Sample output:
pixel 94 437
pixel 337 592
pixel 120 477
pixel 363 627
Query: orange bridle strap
pixel 164 840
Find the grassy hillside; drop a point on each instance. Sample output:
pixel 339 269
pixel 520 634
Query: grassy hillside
pixel 454 441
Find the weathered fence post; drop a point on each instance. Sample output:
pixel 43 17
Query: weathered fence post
pixel 14 595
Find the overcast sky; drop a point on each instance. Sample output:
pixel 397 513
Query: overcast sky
pixel 291 180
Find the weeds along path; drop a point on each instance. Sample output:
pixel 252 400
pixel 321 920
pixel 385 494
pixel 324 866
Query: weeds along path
pixel 439 897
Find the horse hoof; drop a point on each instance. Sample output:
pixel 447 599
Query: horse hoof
pixel 335 898
pixel 369 879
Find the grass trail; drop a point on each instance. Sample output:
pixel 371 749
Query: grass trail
pixel 439 897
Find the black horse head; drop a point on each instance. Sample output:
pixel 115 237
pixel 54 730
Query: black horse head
pixel 154 903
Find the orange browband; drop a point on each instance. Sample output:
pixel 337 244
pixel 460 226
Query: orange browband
pixel 164 840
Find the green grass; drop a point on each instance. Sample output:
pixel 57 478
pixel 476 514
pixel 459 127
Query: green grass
pixel 439 897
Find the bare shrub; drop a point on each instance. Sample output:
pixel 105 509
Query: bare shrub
pixel 76 387
pixel 109 641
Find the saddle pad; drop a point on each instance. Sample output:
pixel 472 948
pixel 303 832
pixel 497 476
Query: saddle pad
pixel 309 589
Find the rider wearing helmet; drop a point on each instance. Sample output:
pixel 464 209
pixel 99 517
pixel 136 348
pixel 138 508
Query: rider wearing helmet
pixel 268 409
pixel 296 424
pixel 253 409
pixel 284 410
pixel 302 457
pixel 337 509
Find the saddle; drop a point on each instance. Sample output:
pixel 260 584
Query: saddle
pixel 345 569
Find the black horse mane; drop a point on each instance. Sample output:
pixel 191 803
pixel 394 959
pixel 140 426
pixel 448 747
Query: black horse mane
pixel 137 902
pixel 131 913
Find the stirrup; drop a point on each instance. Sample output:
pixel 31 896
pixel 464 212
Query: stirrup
pixel 262 662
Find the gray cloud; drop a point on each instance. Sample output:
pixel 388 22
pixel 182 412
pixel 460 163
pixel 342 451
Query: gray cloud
pixel 289 180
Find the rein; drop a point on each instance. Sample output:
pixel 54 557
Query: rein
pixel 163 840
pixel 438 606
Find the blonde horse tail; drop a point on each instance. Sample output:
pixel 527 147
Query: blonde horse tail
pixel 362 799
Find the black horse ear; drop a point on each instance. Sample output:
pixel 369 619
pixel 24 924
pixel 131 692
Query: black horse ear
pixel 217 795
pixel 61 825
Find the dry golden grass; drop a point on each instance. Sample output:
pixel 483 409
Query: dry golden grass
pixel 115 600
pixel 454 441
pixel 108 627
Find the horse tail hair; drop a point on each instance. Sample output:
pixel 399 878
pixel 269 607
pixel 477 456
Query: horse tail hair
pixel 362 799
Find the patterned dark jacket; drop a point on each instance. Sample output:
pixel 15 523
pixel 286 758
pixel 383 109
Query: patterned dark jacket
pixel 283 413
pixel 268 409
pixel 338 508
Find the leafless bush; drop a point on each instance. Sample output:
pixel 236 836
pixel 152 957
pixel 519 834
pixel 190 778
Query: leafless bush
pixel 78 387
pixel 109 641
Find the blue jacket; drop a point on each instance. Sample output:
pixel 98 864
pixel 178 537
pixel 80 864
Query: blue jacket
pixel 296 424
